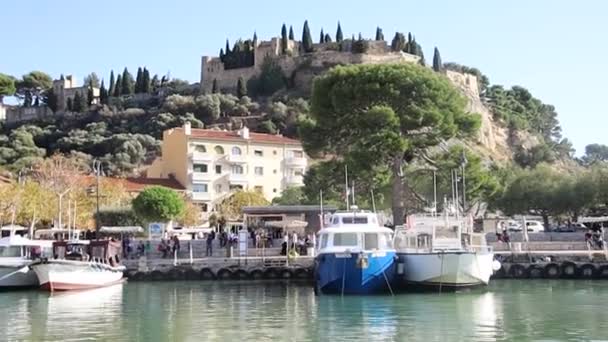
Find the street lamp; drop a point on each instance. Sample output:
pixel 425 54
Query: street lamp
pixel 97 170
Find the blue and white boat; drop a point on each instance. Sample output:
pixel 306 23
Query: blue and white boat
pixel 355 255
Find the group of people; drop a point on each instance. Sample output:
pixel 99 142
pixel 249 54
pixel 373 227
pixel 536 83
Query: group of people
pixel 297 244
pixel 594 238
pixel 169 246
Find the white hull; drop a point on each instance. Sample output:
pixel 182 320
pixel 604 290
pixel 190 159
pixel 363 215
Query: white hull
pixel 64 275
pixel 450 269
pixel 17 278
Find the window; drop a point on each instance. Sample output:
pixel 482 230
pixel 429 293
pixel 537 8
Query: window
pixel 258 189
pixel 218 169
pixel 200 168
pixel 10 251
pixel 354 220
pixel 345 239
pixel 259 171
pixel 218 149
pixel 237 169
pixel 236 151
pixel 258 153
pixel 200 148
pixel 371 241
pixel 199 187
pixel 298 154
pixel 324 240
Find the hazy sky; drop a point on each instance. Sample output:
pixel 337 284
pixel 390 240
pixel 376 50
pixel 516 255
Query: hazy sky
pixel 555 48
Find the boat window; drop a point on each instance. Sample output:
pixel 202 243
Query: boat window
pixel 355 220
pixel 10 252
pixel 345 239
pixel 335 220
pixel 385 241
pixel 324 240
pixel 371 241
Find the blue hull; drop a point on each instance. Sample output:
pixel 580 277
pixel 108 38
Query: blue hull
pixel 344 274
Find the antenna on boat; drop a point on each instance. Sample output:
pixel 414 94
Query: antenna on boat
pixel 373 201
pixel 434 193
pixel 321 207
pixel 346 186
pixel 353 186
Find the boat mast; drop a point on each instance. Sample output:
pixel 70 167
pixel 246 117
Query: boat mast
pixel 346 186
pixel 373 201
pixel 321 207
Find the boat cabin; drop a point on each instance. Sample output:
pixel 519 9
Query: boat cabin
pixel 16 246
pixel 356 232
pixel 103 251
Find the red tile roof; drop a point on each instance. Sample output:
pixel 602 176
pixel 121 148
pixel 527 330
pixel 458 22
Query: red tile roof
pixel 234 136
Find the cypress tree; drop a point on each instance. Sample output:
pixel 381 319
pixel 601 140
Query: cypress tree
pixel 103 93
pixel 255 38
pixel 139 80
pixel 145 81
pixel 90 96
pixel 127 83
pixel 51 100
pixel 283 39
pixel 79 103
pixel 227 47
pixel 437 64
pixel 409 37
pixel 70 104
pixel 306 38
pixel 321 37
pixel 37 102
pixel 214 88
pixel 379 34
pixel 112 84
pixel 327 38
pixel 398 43
pixel 241 90
pixel 118 88
pixel 360 36
pixel 291 35
pixel 339 36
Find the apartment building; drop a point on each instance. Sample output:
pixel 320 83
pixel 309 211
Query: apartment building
pixel 211 164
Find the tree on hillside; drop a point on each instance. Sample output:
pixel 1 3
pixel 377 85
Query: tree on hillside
pixel 595 153
pixel 227 52
pixel 145 87
pixel 32 85
pixel 139 79
pixel 79 103
pixel 103 94
pixel 118 87
pixel 291 35
pixel 339 35
pixel 398 42
pixel 232 207
pixel 290 196
pixel 321 37
pixel 50 98
pixel 69 104
pixel 241 89
pixel 91 80
pixel 270 79
pixel 112 84
pixel 7 86
pixel 90 96
pixel 127 86
pixel 437 64
pixel 379 34
pixel 158 204
pixel 306 38
pixel 358 115
pixel 283 39
pixel 327 38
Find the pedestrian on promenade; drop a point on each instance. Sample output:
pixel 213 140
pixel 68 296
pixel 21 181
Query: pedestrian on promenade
pixel 209 250
pixel 140 249
pixel 176 246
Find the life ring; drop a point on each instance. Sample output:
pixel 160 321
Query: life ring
pixel 552 271
pixel 569 270
pixel 256 274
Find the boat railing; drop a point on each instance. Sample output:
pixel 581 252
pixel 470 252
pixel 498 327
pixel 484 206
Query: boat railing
pixel 480 248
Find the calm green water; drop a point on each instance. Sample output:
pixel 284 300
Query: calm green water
pixel 508 310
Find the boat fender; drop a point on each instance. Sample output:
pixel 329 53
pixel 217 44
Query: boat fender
pixel 587 271
pixel 535 271
pixel 602 272
pixel 569 269
pixel 362 261
pixel 518 271
pixel 292 254
pixel 552 271
pixel 496 265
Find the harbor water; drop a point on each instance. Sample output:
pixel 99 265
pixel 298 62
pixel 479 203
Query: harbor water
pixel 508 310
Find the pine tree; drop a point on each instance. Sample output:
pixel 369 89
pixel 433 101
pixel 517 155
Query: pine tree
pixel 37 102
pixel 409 37
pixel 437 64
pixel 379 34
pixel 306 38
pixel 118 88
pixel 283 39
pixel 139 80
pixel 112 84
pixel 241 90
pixel 321 37
pixel 214 88
pixel 127 83
pixel 291 35
pixel 327 38
pixel 222 55
pixel 146 82
pixel 103 93
pixel 398 43
pixel 339 36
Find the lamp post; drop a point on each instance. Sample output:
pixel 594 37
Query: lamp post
pixel 97 170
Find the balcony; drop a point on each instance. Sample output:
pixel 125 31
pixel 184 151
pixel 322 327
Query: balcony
pixel 201 176
pixel 201 156
pixel 294 180
pixel 295 162
pixel 200 196
pixel 238 178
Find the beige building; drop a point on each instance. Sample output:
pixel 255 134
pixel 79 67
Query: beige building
pixel 66 88
pixel 211 164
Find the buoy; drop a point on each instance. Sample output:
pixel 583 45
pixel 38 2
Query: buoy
pixel 224 274
pixel 496 265
pixel 535 271
pixel 518 271
pixel 256 274
pixel 552 271
pixel 207 274
pixel 587 271
pixel 569 270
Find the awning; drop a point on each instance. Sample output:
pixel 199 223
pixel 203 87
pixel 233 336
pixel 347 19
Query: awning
pixel 13 227
pixel 121 230
pixel 294 224
pixel 16 240
pixel 593 219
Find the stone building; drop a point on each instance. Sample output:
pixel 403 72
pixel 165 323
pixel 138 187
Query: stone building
pixel 65 88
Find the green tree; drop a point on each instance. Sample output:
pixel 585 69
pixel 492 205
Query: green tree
pixel 283 39
pixel 158 204
pixel 51 99
pixel 128 85
pixel 437 64
pixel 306 38
pixel 103 94
pixel 118 87
pixel 214 87
pixel 379 34
pixel 92 80
pixel 339 35
pixel 32 85
pixel 321 37
pixel 111 89
pixel 145 87
pixel 327 38
pixel 595 153
pixel 241 89
pixel 69 103
pixel 90 96
pixel 358 114
pixel 291 35
pixel 290 196
pixel 270 80
pixel 398 42
pixel 7 86
pixel 232 207
pixel 79 103
pixel 139 79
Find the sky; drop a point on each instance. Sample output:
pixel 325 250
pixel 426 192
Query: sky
pixel 554 48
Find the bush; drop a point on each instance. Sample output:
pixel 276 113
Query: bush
pixel 270 80
pixel 118 217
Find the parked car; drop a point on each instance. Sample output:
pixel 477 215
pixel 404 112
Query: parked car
pixel 513 226
pixel 535 226
pixel 574 227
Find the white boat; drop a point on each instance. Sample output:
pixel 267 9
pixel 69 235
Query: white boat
pixel 16 254
pixel 437 252
pixel 80 265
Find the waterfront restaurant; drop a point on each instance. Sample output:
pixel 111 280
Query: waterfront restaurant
pixel 280 218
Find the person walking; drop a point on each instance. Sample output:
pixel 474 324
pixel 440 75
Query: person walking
pixel 209 250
